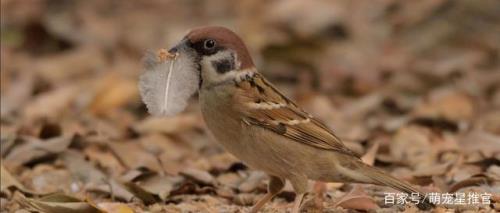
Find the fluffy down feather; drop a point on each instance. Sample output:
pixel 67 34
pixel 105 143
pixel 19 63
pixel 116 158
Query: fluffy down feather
pixel 167 85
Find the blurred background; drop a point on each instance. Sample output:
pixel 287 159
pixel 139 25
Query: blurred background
pixel 412 85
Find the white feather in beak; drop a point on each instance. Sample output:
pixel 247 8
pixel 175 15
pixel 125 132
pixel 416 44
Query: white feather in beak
pixel 168 83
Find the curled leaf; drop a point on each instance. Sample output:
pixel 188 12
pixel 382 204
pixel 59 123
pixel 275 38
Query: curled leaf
pixel 57 203
pixel 472 181
pixel 357 199
pixel 35 149
pixel 115 207
pixel 8 180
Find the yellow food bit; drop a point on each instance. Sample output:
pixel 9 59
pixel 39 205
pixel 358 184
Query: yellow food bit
pixel 164 55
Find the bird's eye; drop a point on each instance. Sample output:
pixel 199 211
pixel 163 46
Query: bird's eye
pixel 209 44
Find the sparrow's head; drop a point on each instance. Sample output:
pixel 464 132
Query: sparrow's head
pixel 219 54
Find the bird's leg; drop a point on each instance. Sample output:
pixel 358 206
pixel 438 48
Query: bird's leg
pixel 319 190
pixel 299 184
pixel 276 184
pixel 297 202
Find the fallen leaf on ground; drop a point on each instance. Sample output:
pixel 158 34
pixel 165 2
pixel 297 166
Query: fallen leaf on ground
pixel 369 157
pixel 133 156
pixel 46 178
pixel 167 124
pixel 8 140
pixel 7 180
pixel 17 95
pixel 68 65
pixel 254 180
pixel 105 159
pixel 199 176
pixel 160 185
pixel 115 207
pixel 357 199
pixel 57 203
pixel 410 145
pixel 140 193
pixel 86 173
pixel 475 180
pixel 113 92
pixel 34 149
pixel 453 106
pixel 51 104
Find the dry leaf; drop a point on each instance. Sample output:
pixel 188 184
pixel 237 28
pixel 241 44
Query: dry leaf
pixel 230 179
pixel 411 146
pixel 199 176
pixel 105 159
pixel 51 104
pixel 169 152
pixel 475 180
pixel 72 64
pixel 477 140
pixel 357 199
pixel 245 199
pixel 369 157
pixel 8 180
pixel 114 91
pixel 140 193
pixel 167 125
pixel 87 173
pixel 8 140
pixel 17 95
pixel 115 207
pixel 48 179
pixel 57 203
pixel 137 174
pixel 453 106
pixel 254 180
pixel 160 185
pixel 133 156
pixel 35 149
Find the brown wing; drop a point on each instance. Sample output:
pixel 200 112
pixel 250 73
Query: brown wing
pixel 264 106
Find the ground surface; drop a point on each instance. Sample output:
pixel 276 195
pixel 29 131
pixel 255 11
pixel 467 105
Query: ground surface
pixel 414 87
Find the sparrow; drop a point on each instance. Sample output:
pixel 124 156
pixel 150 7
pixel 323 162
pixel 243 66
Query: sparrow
pixel 259 125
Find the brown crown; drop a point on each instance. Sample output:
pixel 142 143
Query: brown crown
pixel 225 38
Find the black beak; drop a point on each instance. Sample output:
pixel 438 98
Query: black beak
pixel 181 45
pixel 173 50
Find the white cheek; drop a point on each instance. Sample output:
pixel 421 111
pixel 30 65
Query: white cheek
pixel 209 73
pixel 207 70
pixel 212 78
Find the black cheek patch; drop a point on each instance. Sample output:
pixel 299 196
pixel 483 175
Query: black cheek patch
pixel 223 65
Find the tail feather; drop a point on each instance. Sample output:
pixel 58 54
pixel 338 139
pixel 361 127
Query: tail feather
pixel 381 178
